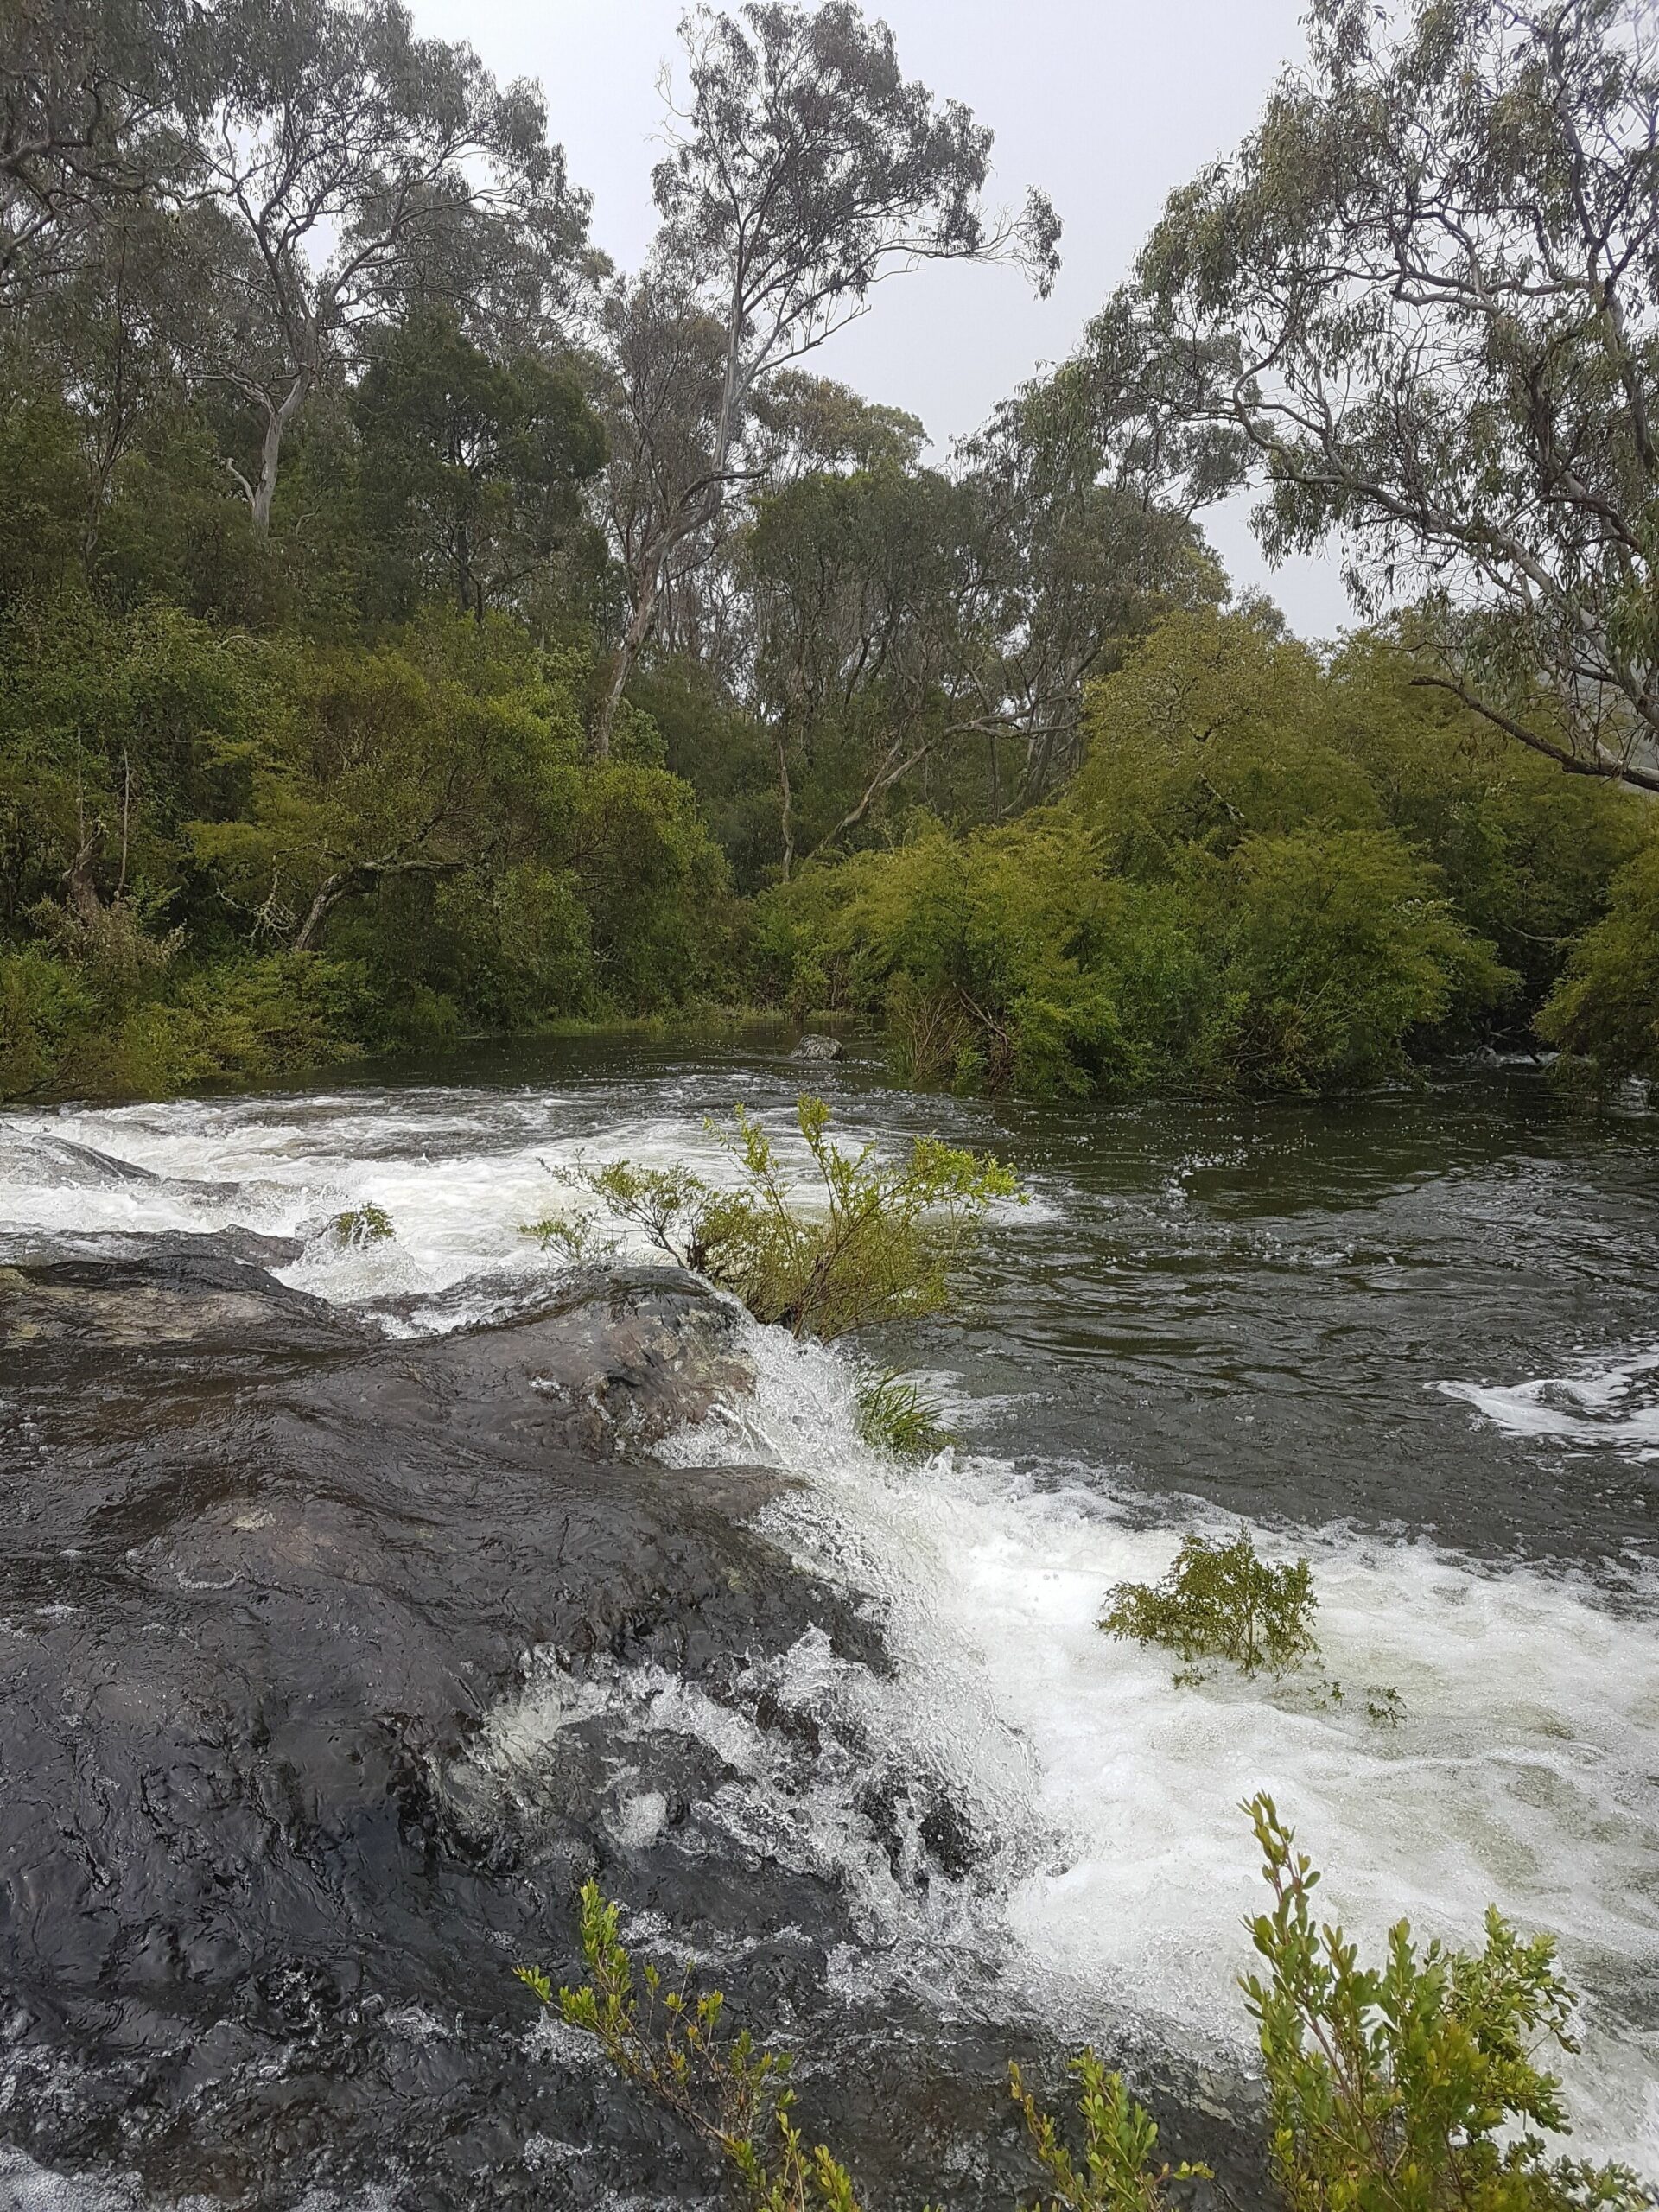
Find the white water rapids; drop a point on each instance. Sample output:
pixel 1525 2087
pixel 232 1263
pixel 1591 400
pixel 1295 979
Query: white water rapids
pixel 1525 1770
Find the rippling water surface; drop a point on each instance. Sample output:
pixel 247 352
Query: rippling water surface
pixel 1416 1338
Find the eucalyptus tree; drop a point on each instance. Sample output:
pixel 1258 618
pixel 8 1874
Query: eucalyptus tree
pixel 1078 542
pixel 860 592
pixel 658 391
pixel 929 632
pixel 1425 291
pixel 344 166
pixel 802 167
pixel 665 370
pixel 93 100
pixel 800 423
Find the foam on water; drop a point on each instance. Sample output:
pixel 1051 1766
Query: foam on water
pixel 458 1171
pixel 1523 1772
pixel 1612 1399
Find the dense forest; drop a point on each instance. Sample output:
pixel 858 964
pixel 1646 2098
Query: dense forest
pixel 412 628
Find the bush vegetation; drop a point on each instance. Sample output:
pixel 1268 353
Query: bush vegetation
pixel 1270 874
pixel 896 1415
pixel 1220 1601
pixel 869 1240
pixel 230 857
pixel 1413 2086
pixel 866 1241
pixel 463 638
pixel 364 1224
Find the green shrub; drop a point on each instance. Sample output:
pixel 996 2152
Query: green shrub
pixel 1117 2171
pixel 365 1225
pixel 737 2099
pixel 576 1237
pixel 1267 876
pixel 874 1242
pixel 253 1019
pixel 1307 960
pixel 1340 946
pixel 1604 1013
pixel 44 1005
pixel 1411 2087
pixel 1220 1601
pixel 894 1415
pixel 734 2097
pixel 71 1026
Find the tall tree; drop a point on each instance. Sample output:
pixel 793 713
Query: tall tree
pixel 1425 289
pixel 93 94
pixel 471 466
pixel 862 606
pixel 1083 536
pixel 346 165
pixel 801 168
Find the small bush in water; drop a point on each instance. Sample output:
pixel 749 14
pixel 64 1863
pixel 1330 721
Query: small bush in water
pixel 1410 2087
pixel 1220 1601
pixel 1117 2173
pixel 735 2097
pixel 363 1225
pixel 871 1241
pixel 895 1415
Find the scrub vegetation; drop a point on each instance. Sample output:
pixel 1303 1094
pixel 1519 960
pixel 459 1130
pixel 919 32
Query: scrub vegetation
pixel 1220 1601
pixel 860 1241
pixel 1411 2085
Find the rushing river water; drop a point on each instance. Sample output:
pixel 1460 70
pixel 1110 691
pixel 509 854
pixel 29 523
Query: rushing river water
pixel 1415 1338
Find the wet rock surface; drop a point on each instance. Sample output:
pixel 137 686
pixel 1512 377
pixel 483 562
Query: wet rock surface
pixel 331 1664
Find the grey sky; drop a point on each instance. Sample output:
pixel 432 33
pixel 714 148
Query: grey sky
pixel 1107 104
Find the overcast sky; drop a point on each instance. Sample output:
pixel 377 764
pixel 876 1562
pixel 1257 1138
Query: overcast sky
pixel 1106 104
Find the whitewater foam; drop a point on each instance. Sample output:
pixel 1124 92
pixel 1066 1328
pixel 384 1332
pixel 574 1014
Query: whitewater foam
pixel 1522 1772
pixel 1606 1399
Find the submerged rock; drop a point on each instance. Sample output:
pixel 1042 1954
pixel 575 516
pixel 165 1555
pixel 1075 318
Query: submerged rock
pixel 331 1664
pixel 265 1578
pixel 53 1163
pixel 56 1163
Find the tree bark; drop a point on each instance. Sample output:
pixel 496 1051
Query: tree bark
pixel 785 809
pixel 260 495
pixel 641 623
pixel 351 883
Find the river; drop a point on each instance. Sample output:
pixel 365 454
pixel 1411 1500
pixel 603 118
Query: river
pixel 1414 1338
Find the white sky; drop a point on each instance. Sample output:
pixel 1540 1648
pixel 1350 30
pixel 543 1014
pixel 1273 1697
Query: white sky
pixel 1106 104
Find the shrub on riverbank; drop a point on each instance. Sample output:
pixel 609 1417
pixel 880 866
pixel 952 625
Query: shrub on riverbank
pixel 74 1026
pixel 1270 876
pixel 1604 1013
pixel 229 857
pixel 1413 2086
